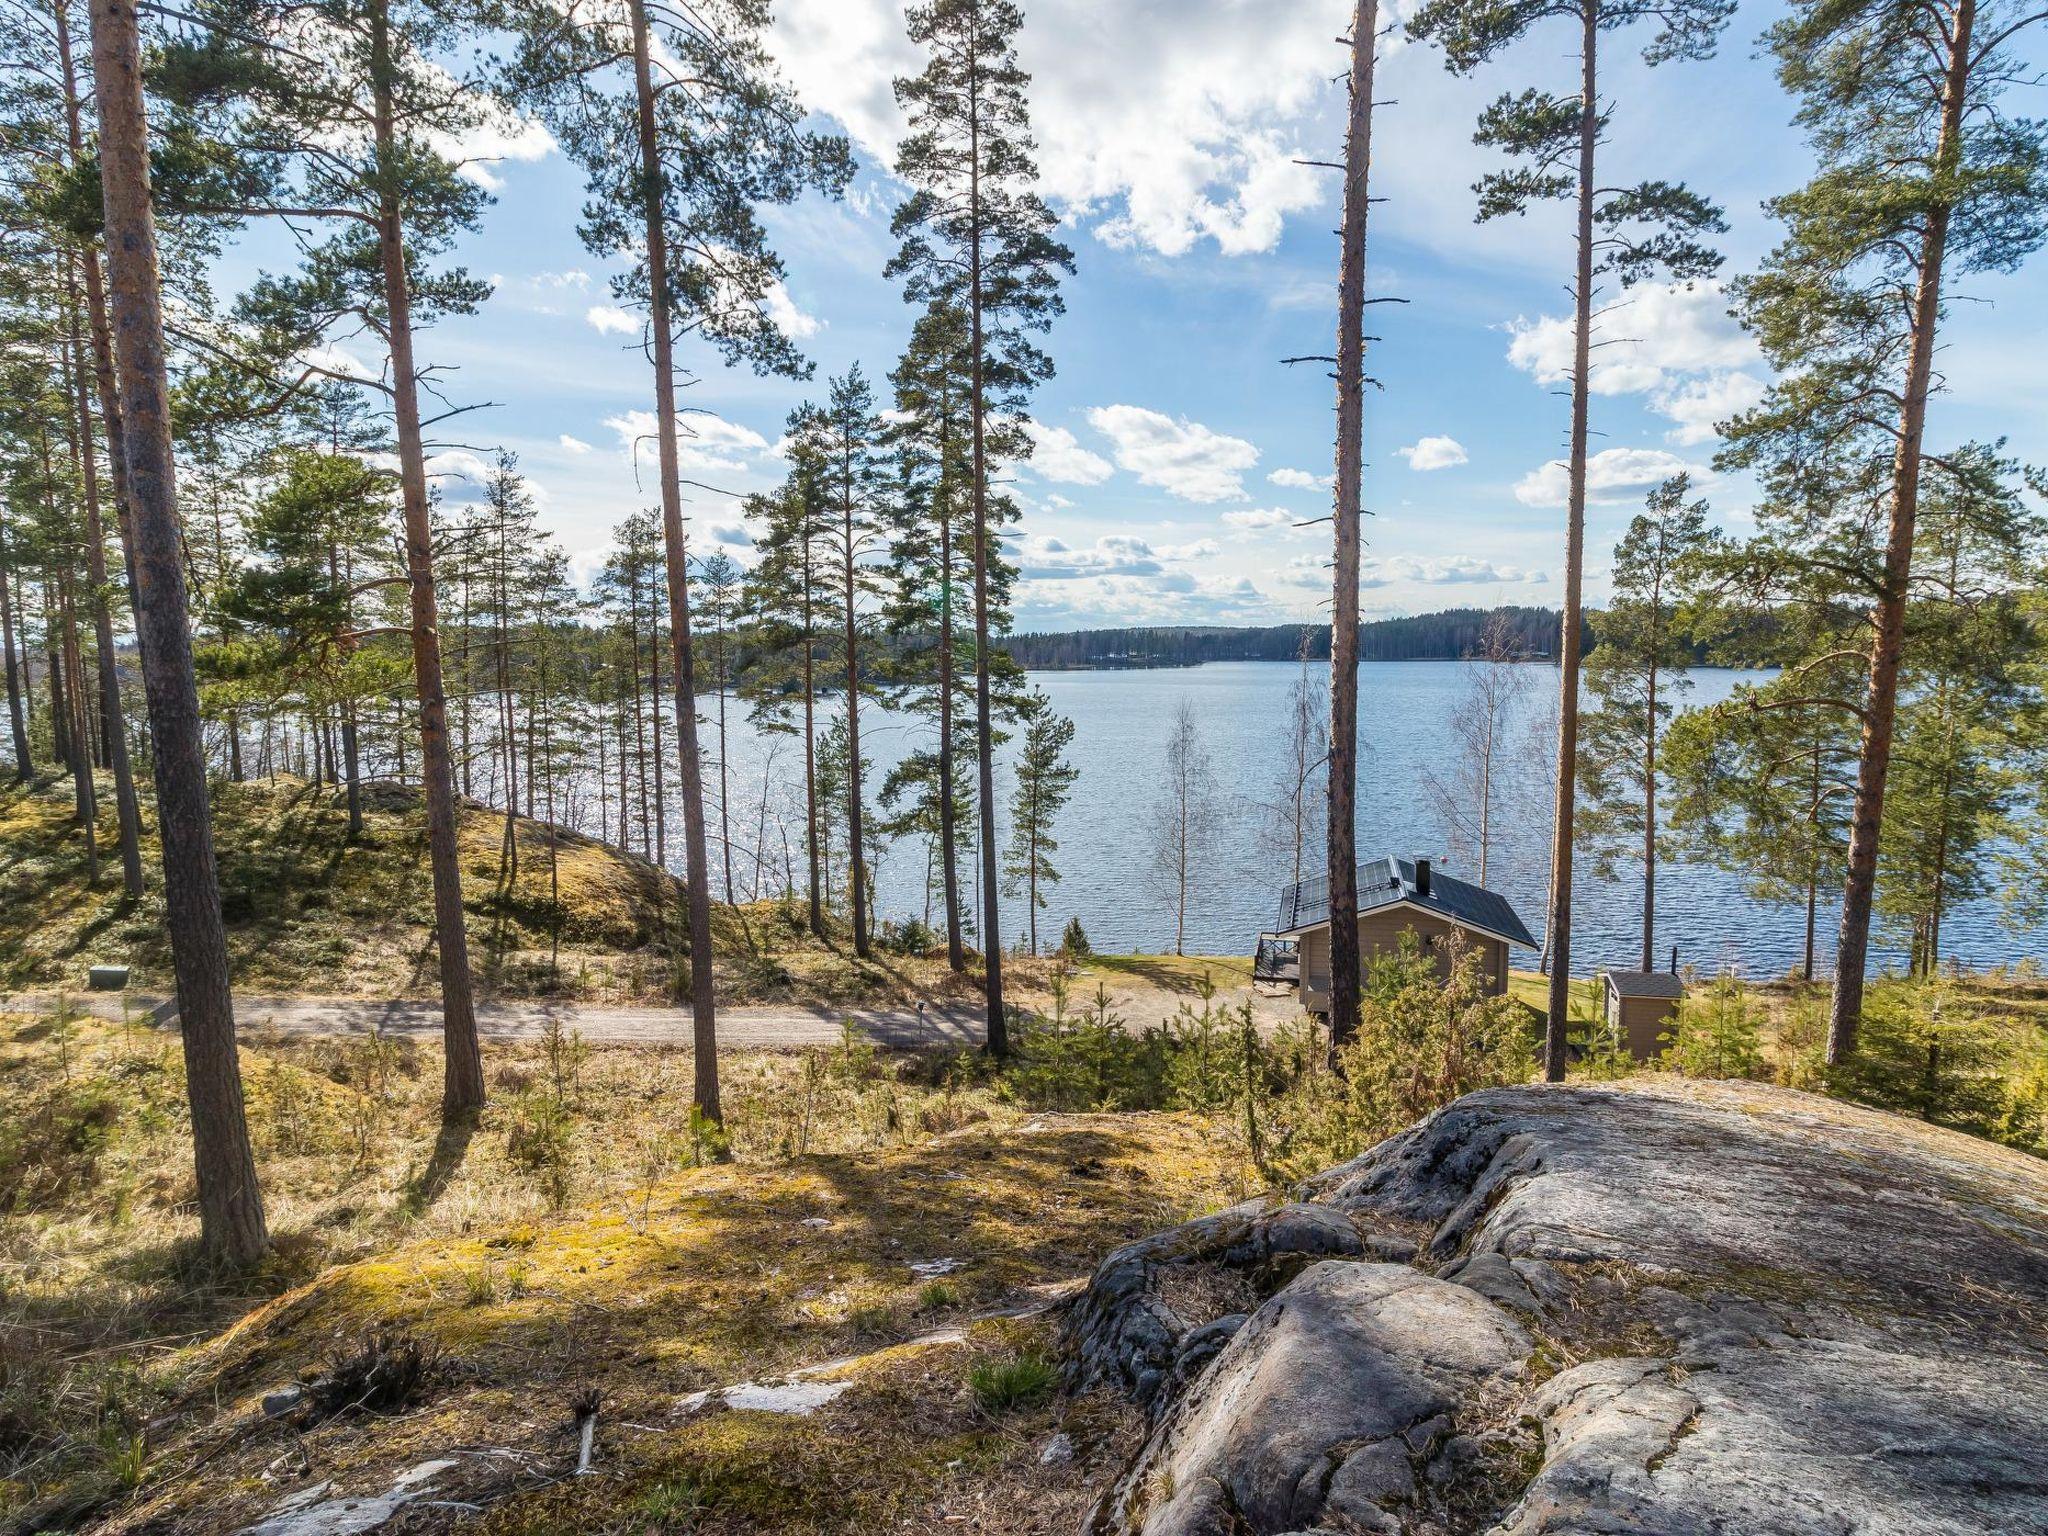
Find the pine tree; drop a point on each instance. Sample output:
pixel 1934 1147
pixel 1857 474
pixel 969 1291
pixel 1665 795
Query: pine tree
pixel 853 472
pixel 719 584
pixel 1922 179
pixel 230 1204
pixel 1045 781
pixel 976 236
pixel 318 536
pixel 1341 814
pixel 675 173
pixel 349 138
pixel 931 561
pixel 1630 233
pixel 789 597
pixel 1635 676
pixel 1968 696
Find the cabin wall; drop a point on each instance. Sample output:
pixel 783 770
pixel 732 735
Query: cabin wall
pixel 1380 933
pixel 1640 1021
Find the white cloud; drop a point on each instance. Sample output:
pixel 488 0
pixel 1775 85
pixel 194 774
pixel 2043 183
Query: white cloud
pixel 734 535
pixel 1164 125
pixel 1041 558
pixel 500 135
pixel 575 277
pixel 1677 345
pixel 609 319
pixel 1180 456
pixel 1613 474
pixel 1433 453
pixel 336 359
pixel 1199 549
pixel 1301 480
pixel 706 441
pixel 786 317
pixel 1056 454
pixel 1311 571
pixel 1259 517
pixel 457 464
pixel 1698 405
pixel 1443 571
pixel 574 445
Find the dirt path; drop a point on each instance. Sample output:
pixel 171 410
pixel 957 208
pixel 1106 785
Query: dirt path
pixel 755 1026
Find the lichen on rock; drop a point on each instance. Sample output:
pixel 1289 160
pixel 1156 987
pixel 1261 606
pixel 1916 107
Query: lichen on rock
pixel 1672 1307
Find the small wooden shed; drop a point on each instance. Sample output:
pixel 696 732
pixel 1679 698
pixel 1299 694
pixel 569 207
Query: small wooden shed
pixel 1640 1006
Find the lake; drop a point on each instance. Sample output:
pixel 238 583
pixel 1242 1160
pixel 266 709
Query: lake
pixel 1121 721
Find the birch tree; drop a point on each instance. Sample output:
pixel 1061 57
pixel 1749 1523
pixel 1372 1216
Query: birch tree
pixel 1472 787
pixel 1182 817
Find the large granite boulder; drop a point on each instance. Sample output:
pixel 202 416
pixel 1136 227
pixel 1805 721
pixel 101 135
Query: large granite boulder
pixel 1667 1307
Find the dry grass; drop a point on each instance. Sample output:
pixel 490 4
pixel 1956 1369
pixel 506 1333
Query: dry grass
pixel 310 911
pixel 566 1241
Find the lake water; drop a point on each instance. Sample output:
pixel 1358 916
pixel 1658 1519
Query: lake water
pixel 1122 719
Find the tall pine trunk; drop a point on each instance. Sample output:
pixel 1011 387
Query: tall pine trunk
pixel 984 724
pixel 1342 835
pixel 855 854
pixel 1650 825
pixel 231 1221
pixel 1881 698
pixel 114 723
pixel 1558 928
pixel 949 813
pixel 78 731
pixel 17 712
pixel 817 909
pixel 463 1083
pixel 697 871
pixel 724 774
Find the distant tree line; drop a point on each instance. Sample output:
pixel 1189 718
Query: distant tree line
pixel 1447 636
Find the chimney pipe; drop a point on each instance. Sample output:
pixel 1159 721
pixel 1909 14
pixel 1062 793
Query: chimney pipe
pixel 1421 876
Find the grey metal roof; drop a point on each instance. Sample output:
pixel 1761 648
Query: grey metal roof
pixel 1387 881
pixel 1645 984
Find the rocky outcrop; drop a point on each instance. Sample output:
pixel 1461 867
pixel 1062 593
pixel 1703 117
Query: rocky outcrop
pixel 1663 1307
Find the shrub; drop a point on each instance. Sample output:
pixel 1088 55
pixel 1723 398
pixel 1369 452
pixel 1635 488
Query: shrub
pixel 542 1141
pixel 55 1149
pixel 914 936
pixel 1017 1381
pixel 1074 941
pixel 1918 1055
pixel 1086 1061
pixel 1716 1033
pixel 385 1373
pixel 1422 1041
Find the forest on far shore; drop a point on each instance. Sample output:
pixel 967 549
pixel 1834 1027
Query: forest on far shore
pixel 1450 635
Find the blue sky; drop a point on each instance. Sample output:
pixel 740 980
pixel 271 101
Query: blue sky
pixel 1176 454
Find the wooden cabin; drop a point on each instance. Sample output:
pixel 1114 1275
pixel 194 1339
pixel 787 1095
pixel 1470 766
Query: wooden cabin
pixel 1640 1008
pixel 1395 896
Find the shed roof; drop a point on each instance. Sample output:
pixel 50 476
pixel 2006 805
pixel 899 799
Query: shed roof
pixel 1390 881
pixel 1645 984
